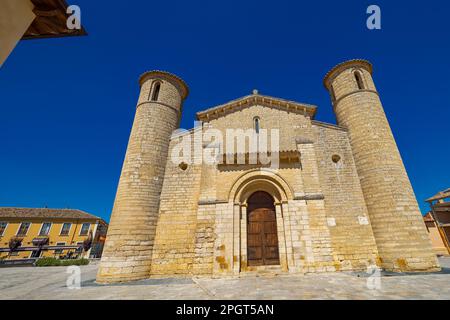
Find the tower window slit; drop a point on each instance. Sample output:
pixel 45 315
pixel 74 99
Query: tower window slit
pixel 155 93
pixel 359 80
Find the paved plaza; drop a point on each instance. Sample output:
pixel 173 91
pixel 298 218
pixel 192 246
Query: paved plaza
pixel 51 283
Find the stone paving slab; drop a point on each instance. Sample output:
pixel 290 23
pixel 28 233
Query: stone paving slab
pixel 50 283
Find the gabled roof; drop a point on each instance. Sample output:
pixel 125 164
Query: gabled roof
pixel 256 99
pixel 9 212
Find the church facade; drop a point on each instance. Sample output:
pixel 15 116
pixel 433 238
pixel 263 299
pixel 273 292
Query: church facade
pixel 324 197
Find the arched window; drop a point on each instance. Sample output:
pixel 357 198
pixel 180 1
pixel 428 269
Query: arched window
pixel 359 81
pixel 155 93
pixel 256 124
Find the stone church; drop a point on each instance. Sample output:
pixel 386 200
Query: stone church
pixel 338 200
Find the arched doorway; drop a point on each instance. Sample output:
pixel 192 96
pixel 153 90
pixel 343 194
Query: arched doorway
pixel 262 236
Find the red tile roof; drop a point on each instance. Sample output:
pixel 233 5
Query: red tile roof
pixel 10 212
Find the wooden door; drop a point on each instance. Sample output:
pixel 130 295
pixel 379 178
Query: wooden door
pixel 262 237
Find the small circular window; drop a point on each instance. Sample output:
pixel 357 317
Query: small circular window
pixel 336 158
pixel 183 166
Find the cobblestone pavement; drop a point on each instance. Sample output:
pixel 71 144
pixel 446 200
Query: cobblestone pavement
pixel 50 283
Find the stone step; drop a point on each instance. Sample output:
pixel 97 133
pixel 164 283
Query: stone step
pixel 264 271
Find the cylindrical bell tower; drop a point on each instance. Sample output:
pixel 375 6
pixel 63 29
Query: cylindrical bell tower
pixel 397 223
pixel 129 242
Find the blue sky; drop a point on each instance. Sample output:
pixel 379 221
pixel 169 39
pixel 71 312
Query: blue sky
pixel 67 105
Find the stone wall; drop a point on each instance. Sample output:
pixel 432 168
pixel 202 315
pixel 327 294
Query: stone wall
pixel 397 224
pixel 202 220
pixel 343 202
pixel 351 233
pixel 130 240
pixel 16 16
pixel 177 222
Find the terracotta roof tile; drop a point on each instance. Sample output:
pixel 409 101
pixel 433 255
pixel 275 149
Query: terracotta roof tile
pixel 9 212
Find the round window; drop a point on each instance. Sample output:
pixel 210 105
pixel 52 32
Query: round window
pixel 183 166
pixel 336 158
